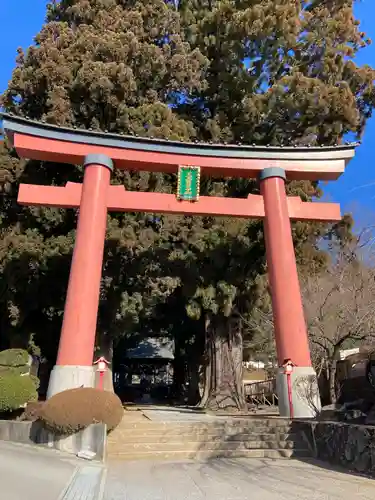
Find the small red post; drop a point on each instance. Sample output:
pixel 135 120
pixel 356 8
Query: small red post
pixel 102 368
pixel 288 369
pixel 290 395
pixel 101 380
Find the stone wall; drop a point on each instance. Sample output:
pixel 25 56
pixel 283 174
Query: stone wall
pixel 347 445
pixel 92 440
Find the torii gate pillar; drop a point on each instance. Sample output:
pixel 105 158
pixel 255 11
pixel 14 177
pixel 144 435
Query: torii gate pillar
pixel 289 320
pixel 74 366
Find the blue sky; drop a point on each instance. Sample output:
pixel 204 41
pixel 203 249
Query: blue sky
pixel 355 190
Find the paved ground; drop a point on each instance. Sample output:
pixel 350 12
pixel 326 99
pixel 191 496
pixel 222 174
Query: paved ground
pixel 31 473
pixel 233 479
pixel 27 473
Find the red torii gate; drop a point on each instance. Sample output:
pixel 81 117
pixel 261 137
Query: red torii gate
pixel 100 152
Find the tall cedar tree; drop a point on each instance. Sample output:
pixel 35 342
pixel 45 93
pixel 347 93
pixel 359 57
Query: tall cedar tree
pixel 254 71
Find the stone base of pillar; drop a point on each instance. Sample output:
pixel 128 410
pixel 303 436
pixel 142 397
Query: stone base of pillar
pixel 65 377
pixel 305 392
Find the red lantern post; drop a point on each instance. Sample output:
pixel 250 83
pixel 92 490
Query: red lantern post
pixel 288 370
pixel 102 367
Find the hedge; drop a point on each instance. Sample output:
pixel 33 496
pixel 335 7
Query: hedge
pixel 32 411
pixel 14 357
pixel 36 381
pixel 16 391
pixel 15 370
pixel 70 411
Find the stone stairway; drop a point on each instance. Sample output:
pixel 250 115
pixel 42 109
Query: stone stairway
pixel 139 438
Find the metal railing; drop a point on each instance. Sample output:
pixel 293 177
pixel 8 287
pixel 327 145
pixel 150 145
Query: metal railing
pixel 261 393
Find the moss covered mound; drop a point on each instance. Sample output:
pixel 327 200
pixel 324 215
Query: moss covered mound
pixel 75 409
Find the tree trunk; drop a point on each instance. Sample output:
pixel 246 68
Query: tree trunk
pixel 179 375
pixel 223 380
pixel 332 382
pixel 207 362
pixel 195 351
pixel 105 348
pixel 193 393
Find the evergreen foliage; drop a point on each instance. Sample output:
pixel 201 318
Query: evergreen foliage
pixel 17 387
pixel 16 391
pixel 14 358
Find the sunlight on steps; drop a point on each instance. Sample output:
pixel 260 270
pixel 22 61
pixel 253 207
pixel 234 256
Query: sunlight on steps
pixel 137 437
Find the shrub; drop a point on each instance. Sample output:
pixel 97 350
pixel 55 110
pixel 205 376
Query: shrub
pixel 16 391
pixel 36 381
pixel 75 409
pixel 15 370
pixel 14 357
pixel 33 411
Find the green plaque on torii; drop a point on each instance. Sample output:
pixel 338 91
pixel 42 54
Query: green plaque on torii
pixel 188 185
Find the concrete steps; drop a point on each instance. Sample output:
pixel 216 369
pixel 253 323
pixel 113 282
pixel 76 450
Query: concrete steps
pixel 198 437
pixel 207 454
pixel 207 427
pixel 195 446
pixel 201 440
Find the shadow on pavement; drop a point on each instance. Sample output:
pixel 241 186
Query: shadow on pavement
pixel 38 434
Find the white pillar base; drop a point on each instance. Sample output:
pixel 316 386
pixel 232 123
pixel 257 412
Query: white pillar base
pixel 65 377
pixel 305 393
